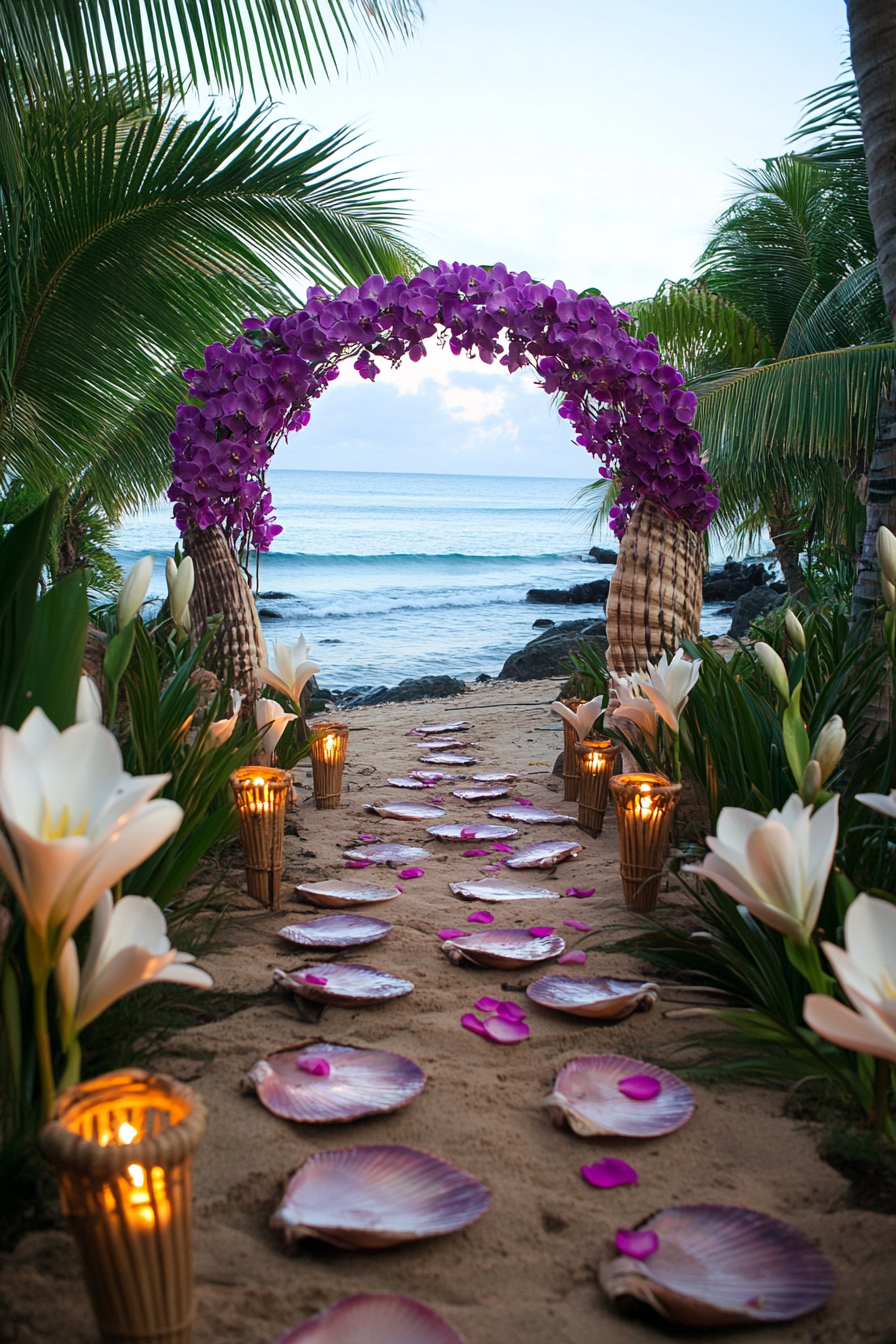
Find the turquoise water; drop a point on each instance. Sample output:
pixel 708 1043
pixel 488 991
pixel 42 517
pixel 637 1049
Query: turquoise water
pixel 393 575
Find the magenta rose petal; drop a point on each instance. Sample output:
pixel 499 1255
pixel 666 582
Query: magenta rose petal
pixel 503 849
pixel 523 802
pixel 577 924
pixel 472 1023
pixel 319 1067
pixel 474 853
pixel 468 832
pixel 316 979
pixel 486 1004
pixel 511 1012
pixel 580 891
pixel 638 1245
pixel 576 957
pixel 366 837
pixel 357 863
pixel 640 1086
pixel 438 798
pixel 445 934
pixel 504 1032
pixel 481 917
pixel 408 873
pixel 541 930
pixel 610 1172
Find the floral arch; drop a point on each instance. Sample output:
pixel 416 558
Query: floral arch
pixel 625 406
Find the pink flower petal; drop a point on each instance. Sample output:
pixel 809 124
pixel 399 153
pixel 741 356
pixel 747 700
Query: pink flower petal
pixel 481 917
pixel 472 1023
pixel 504 1032
pixel 319 1067
pixel 610 1172
pixel 408 873
pixel 511 1012
pixel 398 888
pixel 365 836
pixel 474 853
pixel 640 1086
pixel 437 797
pixel 579 891
pixel 468 832
pixel 541 930
pixel 503 849
pixel 486 1004
pixel 357 863
pixel 576 958
pixel 637 1244
pixel 449 933
pixel 524 802
pixel 491 868
pixel 314 979
pixel 577 924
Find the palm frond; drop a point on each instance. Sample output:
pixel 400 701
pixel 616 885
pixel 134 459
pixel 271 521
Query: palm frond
pixel 698 331
pixel 833 119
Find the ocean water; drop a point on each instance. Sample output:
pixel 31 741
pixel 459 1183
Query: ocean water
pixel 393 575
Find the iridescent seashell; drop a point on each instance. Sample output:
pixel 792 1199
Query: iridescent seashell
pixel 433 729
pixel 544 854
pixel 394 855
pixel 495 777
pixel 493 889
pixel 406 811
pixel 337 893
pixel 534 816
pixel 447 758
pixel 408 782
pixel 337 931
pixel 471 830
pixel 345 984
pixel 480 795
pixel 374 1318
pixel 719 1265
pixel 378 1196
pixel 592 996
pixel 446 744
pixel 587 1095
pixel 359 1082
pixel 432 776
pixel 503 947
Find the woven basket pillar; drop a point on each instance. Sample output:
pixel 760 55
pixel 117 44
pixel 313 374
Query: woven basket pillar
pixel 570 760
pixel 129 1205
pixel 328 747
pixel 261 794
pixel 597 761
pixel 645 806
pixel 656 592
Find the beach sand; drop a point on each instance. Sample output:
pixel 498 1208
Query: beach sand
pixel 523 1274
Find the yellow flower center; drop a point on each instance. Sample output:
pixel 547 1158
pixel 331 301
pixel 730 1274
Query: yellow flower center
pixel 63 827
pixel 886 986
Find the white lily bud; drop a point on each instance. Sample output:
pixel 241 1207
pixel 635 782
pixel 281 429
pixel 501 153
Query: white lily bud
pixel 829 746
pixel 811 782
pixel 67 974
pixel 795 632
pixel 886 553
pixel 134 590
pixel 89 708
pixel 889 590
pixel 180 589
pixel 774 666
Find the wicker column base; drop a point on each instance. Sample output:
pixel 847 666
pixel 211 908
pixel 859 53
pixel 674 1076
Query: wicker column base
pixel 596 764
pixel 645 806
pixel 328 747
pixel 261 795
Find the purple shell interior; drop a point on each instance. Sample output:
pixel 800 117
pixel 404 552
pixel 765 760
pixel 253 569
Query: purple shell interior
pixel 511 946
pixel 587 1092
pixel 471 831
pixel 456 726
pixel 447 758
pixel 529 815
pixel 480 795
pixel 337 893
pixel 493 889
pixel 345 983
pixel 360 1082
pixel 387 853
pixel 406 811
pixel 578 994
pixel 544 854
pixel 375 1318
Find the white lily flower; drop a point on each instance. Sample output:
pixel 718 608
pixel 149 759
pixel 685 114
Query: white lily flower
pixel 881 802
pixel 867 972
pixel 668 686
pixel 774 666
pixel 134 590
pixel 582 719
pixel 886 554
pixel 795 632
pixel 128 948
pixel 89 708
pixel 889 591
pixel 181 581
pixel 294 669
pixel 830 746
pixel 76 821
pixel 273 719
pixel 634 708
pixel 222 729
pixel 777 866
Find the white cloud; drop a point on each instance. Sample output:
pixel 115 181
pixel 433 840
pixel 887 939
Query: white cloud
pixel 472 404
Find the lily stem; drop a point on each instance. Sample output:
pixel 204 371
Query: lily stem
pixel 42 1041
pixel 676 758
pixel 879 1114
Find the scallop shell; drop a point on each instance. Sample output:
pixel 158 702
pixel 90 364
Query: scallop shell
pixel 721 1265
pixel 586 1094
pixel 432 776
pixel 446 744
pixel 493 889
pixel 408 782
pixel 495 777
pixel 533 815
pixel 447 758
pixel 592 996
pixel 406 811
pixel 433 729
pixel 337 893
pixel 337 931
pixel 391 854
pixel 378 1196
pixel 472 830
pixel 502 947
pixel 346 983
pixel 374 1318
pixel 545 854
pixel 480 795
pixel 360 1082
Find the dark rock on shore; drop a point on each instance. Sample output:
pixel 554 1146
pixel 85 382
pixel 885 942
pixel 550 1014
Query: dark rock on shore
pixel 542 624
pixel 750 606
pixel 728 582
pixel 412 688
pixel 265 614
pixel 578 595
pixel 543 655
pixel 602 555
pixel 274 597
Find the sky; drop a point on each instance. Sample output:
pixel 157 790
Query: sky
pixel 582 140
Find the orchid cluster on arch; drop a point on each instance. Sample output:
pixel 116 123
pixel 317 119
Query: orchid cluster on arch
pixel 626 406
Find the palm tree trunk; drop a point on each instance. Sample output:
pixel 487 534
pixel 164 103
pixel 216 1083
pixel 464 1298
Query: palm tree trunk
pixel 788 544
pixel 222 589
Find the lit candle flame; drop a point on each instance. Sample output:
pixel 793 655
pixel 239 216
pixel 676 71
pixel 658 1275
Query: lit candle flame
pixel 137 1174
pixel 126 1133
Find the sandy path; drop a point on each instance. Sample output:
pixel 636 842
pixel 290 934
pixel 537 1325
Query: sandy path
pixel 523 1274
